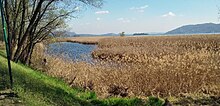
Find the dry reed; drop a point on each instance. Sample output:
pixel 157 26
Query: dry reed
pixel 144 66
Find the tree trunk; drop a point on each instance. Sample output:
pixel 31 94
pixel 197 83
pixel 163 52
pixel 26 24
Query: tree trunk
pixel 30 21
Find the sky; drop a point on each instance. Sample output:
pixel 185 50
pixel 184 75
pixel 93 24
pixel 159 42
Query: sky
pixel 135 16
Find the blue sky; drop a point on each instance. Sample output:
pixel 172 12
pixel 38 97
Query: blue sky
pixel 132 16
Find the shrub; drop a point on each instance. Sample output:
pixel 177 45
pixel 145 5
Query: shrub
pixel 122 34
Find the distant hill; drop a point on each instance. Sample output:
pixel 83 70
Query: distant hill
pixel 110 34
pixel 63 34
pixel 69 34
pixel 196 29
pixel 107 34
pixel 73 34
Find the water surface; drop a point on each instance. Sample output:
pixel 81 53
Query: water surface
pixel 72 51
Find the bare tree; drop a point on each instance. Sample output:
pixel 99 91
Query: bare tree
pixel 31 21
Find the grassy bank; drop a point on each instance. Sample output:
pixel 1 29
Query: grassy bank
pixel 35 88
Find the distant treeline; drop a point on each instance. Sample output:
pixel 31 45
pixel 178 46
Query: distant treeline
pixel 140 34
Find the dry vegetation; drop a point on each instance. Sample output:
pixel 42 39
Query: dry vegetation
pixel 2 45
pixel 144 66
pixel 167 65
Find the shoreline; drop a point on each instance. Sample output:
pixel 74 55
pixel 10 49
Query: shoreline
pixel 94 40
pixel 83 40
pixel 91 40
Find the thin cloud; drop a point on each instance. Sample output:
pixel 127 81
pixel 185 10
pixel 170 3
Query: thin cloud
pixel 143 7
pixel 170 14
pixel 102 12
pixel 124 20
pixel 139 9
pixel 98 19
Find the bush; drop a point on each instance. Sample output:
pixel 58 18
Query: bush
pixel 122 34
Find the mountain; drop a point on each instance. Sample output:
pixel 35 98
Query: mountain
pixel 141 34
pixel 77 35
pixel 196 29
pixel 107 34
pixel 110 34
pixel 69 34
pixel 63 34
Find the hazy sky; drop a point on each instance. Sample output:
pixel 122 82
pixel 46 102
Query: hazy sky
pixel 144 16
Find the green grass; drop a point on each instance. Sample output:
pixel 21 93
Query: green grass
pixel 35 88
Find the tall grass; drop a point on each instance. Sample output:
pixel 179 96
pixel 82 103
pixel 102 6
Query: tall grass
pixel 168 65
pixel 2 46
pixel 145 66
pixel 33 88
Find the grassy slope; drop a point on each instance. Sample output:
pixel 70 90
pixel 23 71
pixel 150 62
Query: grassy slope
pixel 35 88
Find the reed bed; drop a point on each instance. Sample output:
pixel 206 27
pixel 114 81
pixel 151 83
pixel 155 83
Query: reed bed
pixel 145 66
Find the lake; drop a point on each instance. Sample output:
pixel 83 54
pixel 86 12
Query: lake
pixel 72 51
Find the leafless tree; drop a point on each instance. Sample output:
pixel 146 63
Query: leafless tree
pixel 31 21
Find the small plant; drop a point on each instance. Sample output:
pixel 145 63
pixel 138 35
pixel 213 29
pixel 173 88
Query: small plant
pixel 115 90
pixel 122 34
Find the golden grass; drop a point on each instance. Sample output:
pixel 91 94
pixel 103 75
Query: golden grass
pixel 2 45
pixel 139 49
pixel 167 65
pixel 145 66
